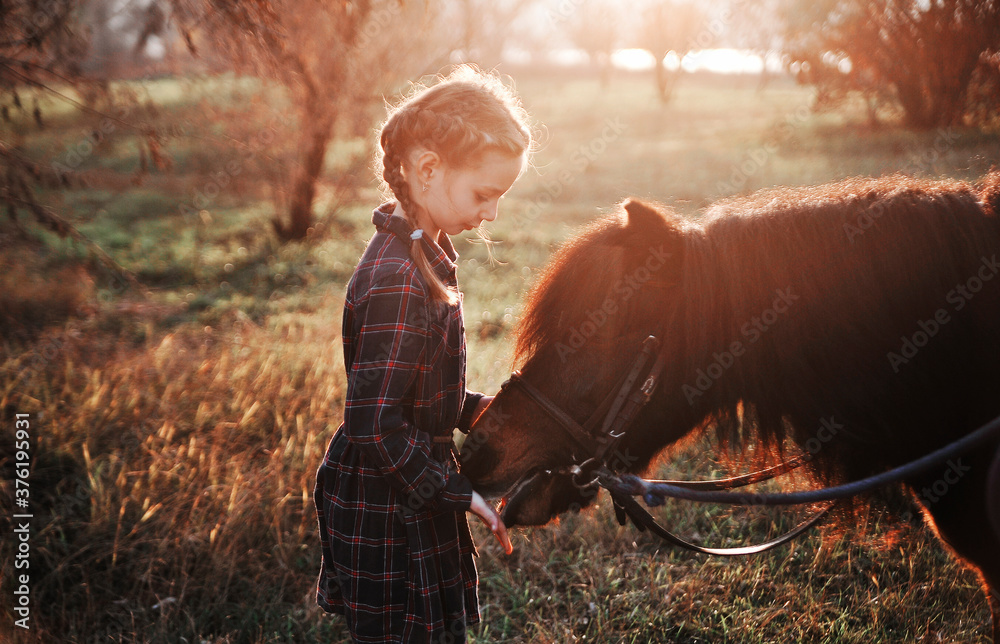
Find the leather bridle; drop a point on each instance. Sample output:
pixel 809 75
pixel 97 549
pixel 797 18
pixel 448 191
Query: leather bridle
pixel 619 410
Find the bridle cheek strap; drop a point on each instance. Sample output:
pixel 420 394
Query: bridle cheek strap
pixel 622 405
pixel 573 428
pixel 622 409
pixel 630 399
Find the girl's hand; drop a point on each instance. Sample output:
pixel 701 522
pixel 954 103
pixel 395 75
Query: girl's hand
pixel 489 516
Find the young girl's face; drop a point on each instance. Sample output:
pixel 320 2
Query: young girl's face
pixel 461 198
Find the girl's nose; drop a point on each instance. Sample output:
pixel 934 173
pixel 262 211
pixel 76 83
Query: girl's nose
pixel 490 213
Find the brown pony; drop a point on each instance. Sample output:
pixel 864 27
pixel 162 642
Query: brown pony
pixel 859 319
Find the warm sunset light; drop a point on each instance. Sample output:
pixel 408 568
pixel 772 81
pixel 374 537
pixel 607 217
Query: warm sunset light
pixel 436 320
pixel 718 61
pixel 633 59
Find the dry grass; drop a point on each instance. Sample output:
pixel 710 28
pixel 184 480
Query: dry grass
pixel 175 474
pixel 172 488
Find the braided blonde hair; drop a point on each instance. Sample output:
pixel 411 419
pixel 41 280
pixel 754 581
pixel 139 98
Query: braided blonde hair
pixel 464 115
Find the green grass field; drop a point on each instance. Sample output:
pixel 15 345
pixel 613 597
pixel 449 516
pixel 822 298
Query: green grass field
pixel 175 433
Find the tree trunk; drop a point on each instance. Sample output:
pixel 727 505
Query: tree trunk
pixel 604 68
pixel 665 81
pixel 316 140
pixel 871 104
pixel 764 79
pixel 662 84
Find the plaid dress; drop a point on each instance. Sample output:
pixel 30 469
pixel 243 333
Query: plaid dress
pixel 397 551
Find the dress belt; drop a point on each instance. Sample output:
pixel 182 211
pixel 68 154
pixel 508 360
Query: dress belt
pixel 443 450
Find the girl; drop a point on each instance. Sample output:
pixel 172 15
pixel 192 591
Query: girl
pixel 397 552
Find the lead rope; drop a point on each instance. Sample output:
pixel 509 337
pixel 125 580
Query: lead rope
pixel 643 520
pixel 656 492
pixel 623 489
pixel 621 415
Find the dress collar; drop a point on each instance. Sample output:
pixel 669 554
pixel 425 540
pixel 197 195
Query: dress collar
pixel 442 257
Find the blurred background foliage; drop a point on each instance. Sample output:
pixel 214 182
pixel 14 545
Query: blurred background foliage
pixel 922 64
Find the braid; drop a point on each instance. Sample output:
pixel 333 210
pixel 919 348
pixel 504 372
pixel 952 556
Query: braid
pixel 392 173
pixel 460 118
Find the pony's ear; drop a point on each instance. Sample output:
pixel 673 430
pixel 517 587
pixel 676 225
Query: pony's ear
pixel 643 216
pixel 656 236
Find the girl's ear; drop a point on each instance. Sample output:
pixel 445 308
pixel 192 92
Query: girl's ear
pixel 427 162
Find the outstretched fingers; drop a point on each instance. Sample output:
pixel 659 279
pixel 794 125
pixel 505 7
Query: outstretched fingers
pixel 492 519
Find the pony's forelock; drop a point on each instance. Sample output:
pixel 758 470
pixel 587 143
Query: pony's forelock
pixel 545 311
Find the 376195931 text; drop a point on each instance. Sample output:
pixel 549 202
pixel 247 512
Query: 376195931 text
pixel 22 520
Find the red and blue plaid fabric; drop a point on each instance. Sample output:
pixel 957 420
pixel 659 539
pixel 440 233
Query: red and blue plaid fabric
pixel 397 551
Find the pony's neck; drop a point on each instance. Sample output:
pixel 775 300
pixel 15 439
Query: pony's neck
pixel 735 294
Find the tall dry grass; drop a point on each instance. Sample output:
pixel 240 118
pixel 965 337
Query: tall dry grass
pixel 172 480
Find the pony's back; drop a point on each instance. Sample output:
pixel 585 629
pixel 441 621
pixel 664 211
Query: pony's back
pixel 873 303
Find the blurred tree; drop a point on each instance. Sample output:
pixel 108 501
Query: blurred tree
pixel 484 26
pixel 669 27
pixel 39 42
pixel 118 32
pixel 758 27
pixel 594 28
pixel 43 44
pixel 335 58
pixel 935 59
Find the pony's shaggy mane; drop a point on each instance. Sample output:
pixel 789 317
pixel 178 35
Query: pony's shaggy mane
pixel 584 270
pixel 871 257
pixel 555 290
